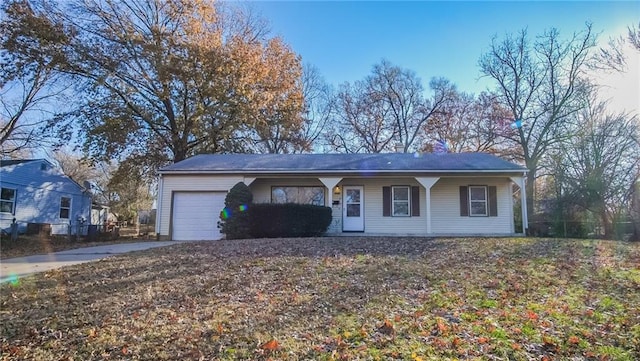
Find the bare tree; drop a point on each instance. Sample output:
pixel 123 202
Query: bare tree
pixel 362 122
pixel 319 105
pixel 540 84
pixel 601 163
pixel 633 35
pixel 612 57
pixel 386 109
pixel 74 166
pixel 401 92
pixel 29 85
pixel 96 173
pixel 466 123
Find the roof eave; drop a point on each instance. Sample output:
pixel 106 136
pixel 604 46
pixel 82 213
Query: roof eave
pixel 325 171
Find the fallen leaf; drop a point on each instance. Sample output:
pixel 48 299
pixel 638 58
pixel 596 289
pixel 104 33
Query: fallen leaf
pixel 270 345
pixel 574 340
pixel 387 328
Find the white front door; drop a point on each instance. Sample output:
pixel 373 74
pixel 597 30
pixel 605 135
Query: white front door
pixel 353 209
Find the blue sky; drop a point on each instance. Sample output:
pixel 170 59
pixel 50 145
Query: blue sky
pixel 345 39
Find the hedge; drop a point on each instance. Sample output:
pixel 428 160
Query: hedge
pixel 234 218
pixel 271 220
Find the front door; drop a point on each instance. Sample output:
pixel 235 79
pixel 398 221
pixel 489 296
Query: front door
pixel 353 209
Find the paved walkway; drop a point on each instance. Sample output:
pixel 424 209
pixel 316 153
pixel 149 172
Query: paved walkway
pixel 13 268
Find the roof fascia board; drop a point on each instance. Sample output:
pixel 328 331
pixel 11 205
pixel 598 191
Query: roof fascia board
pixel 347 172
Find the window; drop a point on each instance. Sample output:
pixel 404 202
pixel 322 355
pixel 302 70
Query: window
pixel 478 201
pixel 8 200
pixel 400 201
pixel 65 207
pixel 300 195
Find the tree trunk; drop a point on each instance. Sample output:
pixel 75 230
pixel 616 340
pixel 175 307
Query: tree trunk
pixel 179 153
pixel 607 225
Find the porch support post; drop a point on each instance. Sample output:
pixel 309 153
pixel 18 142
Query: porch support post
pixel 330 183
pixel 427 183
pixel 520 181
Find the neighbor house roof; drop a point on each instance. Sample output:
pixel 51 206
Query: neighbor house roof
pixel 8 162
pixel 344 163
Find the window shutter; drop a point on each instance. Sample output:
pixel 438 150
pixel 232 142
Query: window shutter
pixel 386 201
pixel 493 201
pixel 464 201
pixel 415 201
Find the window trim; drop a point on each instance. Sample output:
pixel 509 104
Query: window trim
pixel 485 201
pixel 393 201
pixel 68 208
pixel 12 201
pixel 324 192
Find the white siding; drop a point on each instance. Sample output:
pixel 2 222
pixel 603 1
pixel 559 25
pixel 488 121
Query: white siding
pixel 177 183
pixel 374 221
pixel 445 208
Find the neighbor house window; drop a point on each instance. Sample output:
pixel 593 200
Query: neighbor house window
pixel 478 201
pixel 8 200
pixel 400 201
pixel 65 207
pixel 300 195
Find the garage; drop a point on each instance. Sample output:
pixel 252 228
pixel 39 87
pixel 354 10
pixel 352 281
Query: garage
pixel 196 215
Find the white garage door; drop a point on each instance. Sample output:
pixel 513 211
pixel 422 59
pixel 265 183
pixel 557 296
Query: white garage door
pixel 196 215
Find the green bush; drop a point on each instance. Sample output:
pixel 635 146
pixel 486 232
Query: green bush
pixel 271 220
pixel 234 218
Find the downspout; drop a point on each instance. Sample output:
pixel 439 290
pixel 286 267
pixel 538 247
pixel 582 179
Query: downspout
pixel 525 215
pixel 159 206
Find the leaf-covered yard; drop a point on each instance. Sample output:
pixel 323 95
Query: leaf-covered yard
pixel 335 298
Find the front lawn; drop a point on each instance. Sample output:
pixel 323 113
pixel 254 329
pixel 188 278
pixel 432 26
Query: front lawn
pixel 28 245
pixel 335 298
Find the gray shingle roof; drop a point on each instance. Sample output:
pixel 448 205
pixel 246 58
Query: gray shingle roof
pixel 343 163
pixel 8 162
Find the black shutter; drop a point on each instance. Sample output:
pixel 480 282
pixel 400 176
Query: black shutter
pixel 386 201
pixel 464 201
pixel 415 201
pixel 493 201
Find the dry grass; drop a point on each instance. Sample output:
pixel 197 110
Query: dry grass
pixel 30 245
pixel 335 298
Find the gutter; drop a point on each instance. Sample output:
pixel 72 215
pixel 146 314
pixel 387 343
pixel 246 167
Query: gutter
pixel 350 171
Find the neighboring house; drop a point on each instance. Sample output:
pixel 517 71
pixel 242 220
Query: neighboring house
pixel 99 214
pixel 35 191
pixel 370 194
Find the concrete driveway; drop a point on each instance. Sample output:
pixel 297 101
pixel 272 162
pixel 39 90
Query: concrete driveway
pixel 14 268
